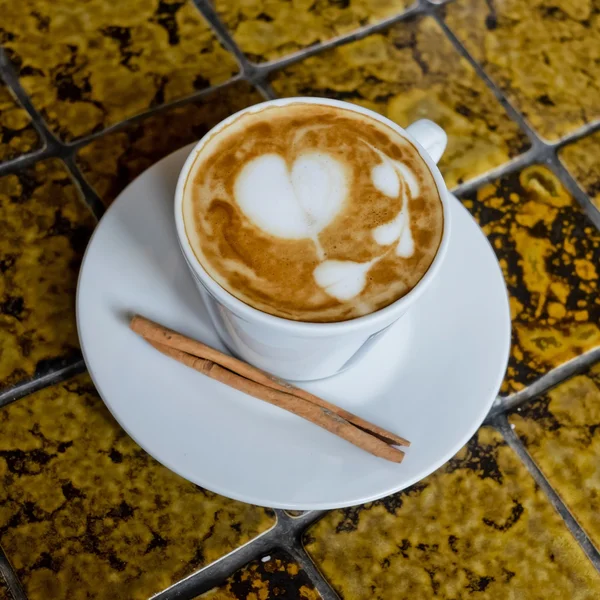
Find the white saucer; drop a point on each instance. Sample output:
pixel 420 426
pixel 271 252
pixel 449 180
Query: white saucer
pixel 432 378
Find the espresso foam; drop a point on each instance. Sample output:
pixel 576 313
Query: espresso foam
pixel 312 212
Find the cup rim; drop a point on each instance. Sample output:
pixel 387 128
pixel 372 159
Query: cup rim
pixel 249 313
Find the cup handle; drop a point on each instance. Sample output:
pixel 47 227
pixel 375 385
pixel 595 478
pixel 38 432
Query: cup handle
pixel 431 136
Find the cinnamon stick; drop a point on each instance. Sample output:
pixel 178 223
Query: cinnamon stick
pixel 163 335
pixel 311 412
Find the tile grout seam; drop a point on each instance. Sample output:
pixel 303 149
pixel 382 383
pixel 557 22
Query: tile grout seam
pixel 545 383
pixel 221 31
pixel 35 384
pixel 9 576
pixel 541 150
pixel 294 547
pixel 53 147
pixel 503 426
pixel 323 587
pixel 217 572
pixel 417 8
pixel 513 113
pixel 50 143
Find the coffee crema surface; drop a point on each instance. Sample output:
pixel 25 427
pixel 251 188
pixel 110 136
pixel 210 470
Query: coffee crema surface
pixel 312 212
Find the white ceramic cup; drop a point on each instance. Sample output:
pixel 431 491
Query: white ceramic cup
pixel 292 349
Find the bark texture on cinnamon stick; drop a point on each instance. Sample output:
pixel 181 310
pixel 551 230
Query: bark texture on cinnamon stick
pixel 172 339
pixel 311 412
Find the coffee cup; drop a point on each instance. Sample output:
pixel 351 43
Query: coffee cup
pixel 299 350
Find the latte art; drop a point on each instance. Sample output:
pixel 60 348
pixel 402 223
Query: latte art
pixel 312 212
pixel 293 203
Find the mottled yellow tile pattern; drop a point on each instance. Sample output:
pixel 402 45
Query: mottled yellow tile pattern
pixel 274 576
pixel 4 594
pixel 410 72
pixel 582 159
pixel 544 54
pixel 17 135
pixel 88 65
pixel 86 513
pixel 549 252
pixel 110 162
pixel 561 432
pixel 267 30
pixel 477 528
pixel 44 228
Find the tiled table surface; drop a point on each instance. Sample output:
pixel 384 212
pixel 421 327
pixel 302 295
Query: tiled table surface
pixel 93 93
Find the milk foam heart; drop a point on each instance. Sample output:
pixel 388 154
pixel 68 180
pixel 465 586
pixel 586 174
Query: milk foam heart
pixel 296 203
pixel 312 212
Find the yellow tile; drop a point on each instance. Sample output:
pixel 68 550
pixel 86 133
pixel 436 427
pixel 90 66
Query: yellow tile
pixel 549 252
pixel 17 134
pixel 581 159
pixel 410 72
pixel 274 576
pixel 89 65
pixel 477 528
pixel 4 595
pixel 110 162
pixel 560 431
pixel 44 228
pixel 544 54
pixel 86 513
pixel 266 30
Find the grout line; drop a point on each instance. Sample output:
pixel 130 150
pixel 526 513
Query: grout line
pixel 512 112
pixel 7 573
pixel 264 87
pixel 296 550
pixel 544 383
pixel 54 146
pixel 51 143
pixel 35 384
pixel 571 138
pixel 154 110
pixel 521 161
pixel 264 69
pixel 323 587
pixel 541 150
pixel 513 441
pixel 88 195
pixel 216 573
pixel 207 10
pixel 574 189
pixel 292 544
pixel 60 149
pixel 24 161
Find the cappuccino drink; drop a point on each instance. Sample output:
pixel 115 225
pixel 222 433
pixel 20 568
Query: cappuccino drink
pixel 312 212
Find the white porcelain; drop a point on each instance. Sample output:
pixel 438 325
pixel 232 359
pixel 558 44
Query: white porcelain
pixel 308 351
pixel 432 378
